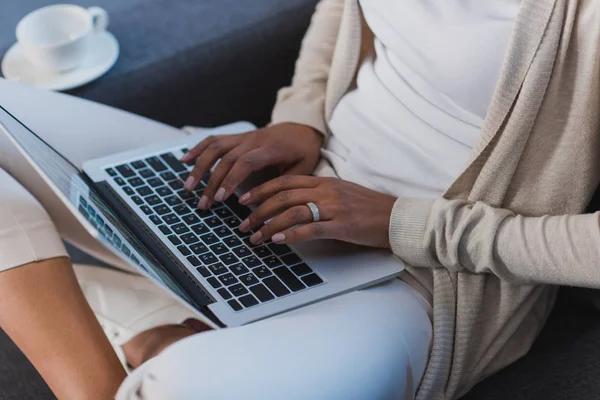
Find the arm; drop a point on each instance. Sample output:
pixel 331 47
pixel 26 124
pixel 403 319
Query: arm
pixel 304 101
pixel 462 236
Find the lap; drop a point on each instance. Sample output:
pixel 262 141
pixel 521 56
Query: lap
pixel 372 343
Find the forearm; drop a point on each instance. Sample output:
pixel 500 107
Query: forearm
pixel 463 236
pixel 45 313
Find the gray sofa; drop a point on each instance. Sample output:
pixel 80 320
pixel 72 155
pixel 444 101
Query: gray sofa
pixel 208 62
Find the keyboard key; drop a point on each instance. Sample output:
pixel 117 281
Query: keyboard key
pixel 208 258
pixel 276 286
pixel 171 219
pixel 248 279
pixel 261 272
pixel 129 191
pixel 272 262
pixel 233 222
pixel 164 191
pixel 224 293
pixel 176 185
pixel 144 191
pixel 200 229
pixel 119 181
pixel 194 261
pixel 111 172
pixel 238 269
pixel 218 269
pixel 251 262
pixel 242 251
pixel 180 229
pixel 232 241
pixel 138 164
pixel 223 213
pixel 203 213
pixel 147 173
pixel 190 219
pixel 162 209
pixel 181 209
pixel 184 250
pixel 116 240
pixel 238 290
pixel 291 259
pixel 261 292
pixel 173 162
pixel 222 231
pixel 125 250
pixel 209 238
pixel 137 200
pixel 312 280
pixel 203 271
pixel 280 249
pixel 155 220
pixel 125 171
pixel 228 279
pixel 213 222
pixel 135 182
pixel 175 240
pixel 241 211
pixel 229 259
pixel 173 201
pixel 219 248
pixel 301 269
pixel 153 200
pixel 262 251
pixel 198 248
pixel 214 282
pixel 248 300
pixel 155 182
pixel 185 195
pixel 190 238
pixel 165 229
pixel 289 279
pixel 156 164
pixel 241 234
pixel 234 305
pixel 184 176
pixel 168 176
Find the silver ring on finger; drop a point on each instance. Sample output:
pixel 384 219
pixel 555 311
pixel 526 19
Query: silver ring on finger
pixel 315 211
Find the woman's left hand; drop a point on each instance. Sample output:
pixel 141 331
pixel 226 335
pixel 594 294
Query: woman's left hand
pixel 348 211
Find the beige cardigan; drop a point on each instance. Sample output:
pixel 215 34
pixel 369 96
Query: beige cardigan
pixel 510 224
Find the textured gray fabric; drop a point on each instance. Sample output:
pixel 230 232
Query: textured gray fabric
pixel 190 62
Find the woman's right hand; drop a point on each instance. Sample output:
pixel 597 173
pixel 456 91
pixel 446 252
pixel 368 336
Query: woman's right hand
pixel 293 148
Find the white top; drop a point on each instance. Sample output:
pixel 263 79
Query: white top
pixel 410 125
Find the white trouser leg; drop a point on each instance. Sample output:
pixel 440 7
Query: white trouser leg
pixel 369 344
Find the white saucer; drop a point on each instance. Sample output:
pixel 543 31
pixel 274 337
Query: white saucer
pixel 16 67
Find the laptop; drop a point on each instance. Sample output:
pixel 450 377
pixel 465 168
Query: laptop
pixel 135 205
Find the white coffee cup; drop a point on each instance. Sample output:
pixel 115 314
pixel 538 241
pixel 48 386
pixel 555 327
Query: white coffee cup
pixel 59 37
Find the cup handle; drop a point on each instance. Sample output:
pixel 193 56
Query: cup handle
pixel 99 18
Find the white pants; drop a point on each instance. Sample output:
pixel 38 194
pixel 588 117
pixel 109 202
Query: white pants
pixel 370 344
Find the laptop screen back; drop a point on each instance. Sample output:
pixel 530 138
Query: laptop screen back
pixel 75 190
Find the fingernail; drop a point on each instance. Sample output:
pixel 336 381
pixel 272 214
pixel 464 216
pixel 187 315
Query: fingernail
pixel 203 203
pixel 244 225
pixel 185 158
pixel 244 199
pixel 220 196
pixel 189 183
pixel 278 238
pixel 255 239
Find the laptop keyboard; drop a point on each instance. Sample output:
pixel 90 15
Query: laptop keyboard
pixel 242 274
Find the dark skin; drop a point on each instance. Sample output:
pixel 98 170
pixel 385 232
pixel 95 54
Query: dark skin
pixel 295 150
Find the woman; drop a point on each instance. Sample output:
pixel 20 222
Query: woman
pixel 448 132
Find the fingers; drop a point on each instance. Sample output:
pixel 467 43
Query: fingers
pixel 236 168
pixel 209 155
pixel 294 216
pixel 269 189
pixel 317 230
pixel 279 203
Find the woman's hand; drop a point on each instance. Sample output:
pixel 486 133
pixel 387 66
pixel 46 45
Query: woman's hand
pixel 293 148
pixel 348 212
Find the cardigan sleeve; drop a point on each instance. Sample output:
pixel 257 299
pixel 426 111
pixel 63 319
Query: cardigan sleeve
pixel 463 236
pixel 303 102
